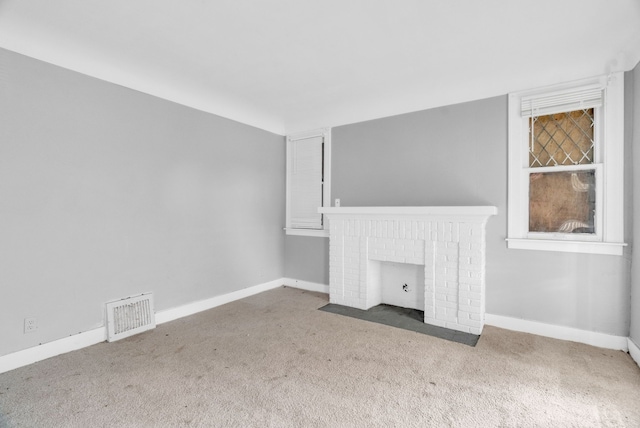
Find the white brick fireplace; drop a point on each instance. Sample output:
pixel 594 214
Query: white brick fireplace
pixel 448 241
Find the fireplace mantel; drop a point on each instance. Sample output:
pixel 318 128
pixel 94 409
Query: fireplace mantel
pixel 448 241
pixel 415 211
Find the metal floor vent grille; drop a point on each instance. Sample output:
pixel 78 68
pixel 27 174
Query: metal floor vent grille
pixel 130 316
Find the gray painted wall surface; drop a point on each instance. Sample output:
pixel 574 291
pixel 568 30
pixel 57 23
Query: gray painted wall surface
pixel 635 291
pixel 307 258
pixel 106 192
pixel 457 155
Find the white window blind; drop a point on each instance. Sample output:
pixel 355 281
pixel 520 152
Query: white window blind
pixel 306 183
pixel 539 105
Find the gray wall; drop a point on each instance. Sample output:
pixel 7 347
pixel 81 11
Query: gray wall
pixel 106 192
pixel 457 155
pixel 307 259
pixel 635 286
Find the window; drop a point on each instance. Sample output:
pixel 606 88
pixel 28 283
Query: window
pixel 566 167
pixel 308 182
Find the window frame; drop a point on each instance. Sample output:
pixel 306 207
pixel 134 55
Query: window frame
pixel 608 164
pixel 325 133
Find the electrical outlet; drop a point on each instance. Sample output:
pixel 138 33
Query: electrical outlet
pixel 337 203
pixel 30 325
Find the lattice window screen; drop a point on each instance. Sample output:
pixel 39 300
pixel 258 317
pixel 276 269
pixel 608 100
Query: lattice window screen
pixel 562 139
pixel 561 126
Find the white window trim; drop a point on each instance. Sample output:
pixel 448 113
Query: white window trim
pixel 610 223
pixel 325 133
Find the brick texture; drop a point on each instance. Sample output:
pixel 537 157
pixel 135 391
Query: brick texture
pixel 451 250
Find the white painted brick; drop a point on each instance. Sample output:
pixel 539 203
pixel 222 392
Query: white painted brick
pixel 475 304
pixel 412 230
pixel 441 258
pixel 464 287
pixel 471 281
pixel 468 252
pixel 475 274
pixel 464 302
pixel 458 327
pixel 450 306
pixel 475 246
pixel 469 322
pixel 441 297
pixel 429 271
pixel 448 319
pixel 465 265
pixel 464 246
pixel 441 310
pixel 446 232
pixel 451 265
pixel 476 331
pixel 465 229
pixel 470 309
pixel 411 244
pixel 475 289
pixel 452 286
pixel 359 239
pixel 405 254
pixel 475 239
pixel 475 317
pixel 470 295
pixel 436 322
pixel 455 232
pixel 451 276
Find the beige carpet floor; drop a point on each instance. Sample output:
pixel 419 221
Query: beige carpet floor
pixel 275 360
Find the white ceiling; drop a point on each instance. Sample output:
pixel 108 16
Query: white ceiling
pixel 294 65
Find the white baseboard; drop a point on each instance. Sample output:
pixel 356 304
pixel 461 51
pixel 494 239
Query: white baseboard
pixel 51 349
pixel 634 351
pixel 593 338
pixel 91 337
pixel 38 353
pixel 203 305
pixel 306 285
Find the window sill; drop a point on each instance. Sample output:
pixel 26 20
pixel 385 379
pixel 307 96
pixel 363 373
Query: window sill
pixel 322 233
pixel 610 248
